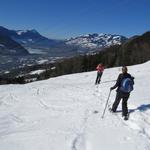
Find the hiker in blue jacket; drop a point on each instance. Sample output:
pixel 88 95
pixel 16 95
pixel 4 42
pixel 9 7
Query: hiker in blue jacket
pixel 122 93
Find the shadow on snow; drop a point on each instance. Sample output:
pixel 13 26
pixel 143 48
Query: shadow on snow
pixel 141 108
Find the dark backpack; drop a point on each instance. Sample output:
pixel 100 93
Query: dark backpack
pixel 126 85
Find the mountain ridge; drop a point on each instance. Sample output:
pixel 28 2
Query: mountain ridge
pixel 10 47
pixel 28 37
pixel 32 39
pixel 95 40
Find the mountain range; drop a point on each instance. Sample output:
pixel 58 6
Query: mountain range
pixel 28 38
pixel 111 50
pixel 33 41
pixel 97 41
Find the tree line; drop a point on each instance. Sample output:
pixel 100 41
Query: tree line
pixel 134 51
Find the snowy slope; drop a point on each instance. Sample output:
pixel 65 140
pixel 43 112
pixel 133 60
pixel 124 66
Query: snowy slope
pixel 60 114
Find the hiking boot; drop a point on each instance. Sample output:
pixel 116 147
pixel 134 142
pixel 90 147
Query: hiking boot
pixel 111 110
pixel 126 118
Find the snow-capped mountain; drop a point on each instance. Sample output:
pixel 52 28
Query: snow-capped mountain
pixel 23 32
pixel 95 40
pixel 34 42
pixel 32 37
pixel 28 38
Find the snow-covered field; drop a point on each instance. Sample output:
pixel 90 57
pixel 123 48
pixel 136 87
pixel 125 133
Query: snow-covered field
pixel 64 113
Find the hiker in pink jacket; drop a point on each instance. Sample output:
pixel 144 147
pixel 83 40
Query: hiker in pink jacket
pixel 100 69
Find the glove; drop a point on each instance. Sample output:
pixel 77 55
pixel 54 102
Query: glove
pixel 111 88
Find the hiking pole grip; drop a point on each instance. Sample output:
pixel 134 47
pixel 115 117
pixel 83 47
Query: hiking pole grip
pixel 106 105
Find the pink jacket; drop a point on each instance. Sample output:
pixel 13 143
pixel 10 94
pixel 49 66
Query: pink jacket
pixel 100 68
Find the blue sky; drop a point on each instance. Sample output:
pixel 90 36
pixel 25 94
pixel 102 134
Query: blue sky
pixel 69 18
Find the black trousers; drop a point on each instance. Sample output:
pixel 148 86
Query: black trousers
pixel 124 97
pixel 98 78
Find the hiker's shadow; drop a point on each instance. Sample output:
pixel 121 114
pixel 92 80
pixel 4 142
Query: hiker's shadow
pixel 141 108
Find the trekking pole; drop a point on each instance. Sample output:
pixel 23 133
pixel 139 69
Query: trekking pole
pixel 106 104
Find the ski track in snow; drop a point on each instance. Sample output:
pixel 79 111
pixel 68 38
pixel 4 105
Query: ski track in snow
pixel 65 113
